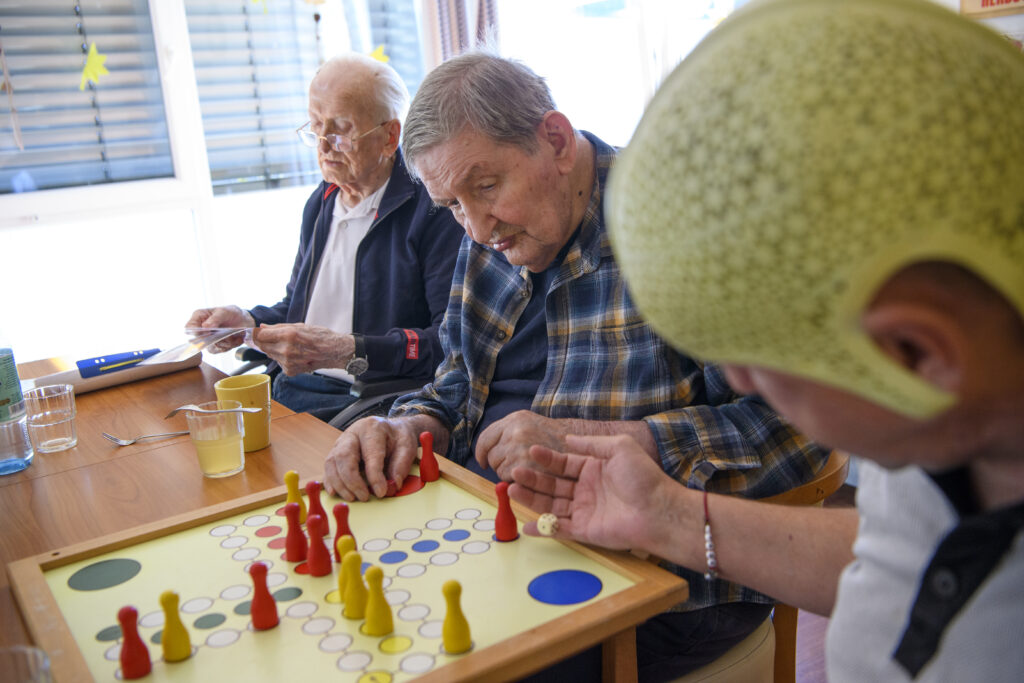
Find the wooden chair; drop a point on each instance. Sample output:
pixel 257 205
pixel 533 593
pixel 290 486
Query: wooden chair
pixel 769 653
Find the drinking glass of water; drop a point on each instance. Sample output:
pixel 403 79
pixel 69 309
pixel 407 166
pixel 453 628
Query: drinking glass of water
pixel 51 417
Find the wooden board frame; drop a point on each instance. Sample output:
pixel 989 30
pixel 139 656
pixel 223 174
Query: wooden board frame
pixel 610 620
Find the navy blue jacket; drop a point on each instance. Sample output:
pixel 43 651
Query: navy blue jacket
pixel 404 275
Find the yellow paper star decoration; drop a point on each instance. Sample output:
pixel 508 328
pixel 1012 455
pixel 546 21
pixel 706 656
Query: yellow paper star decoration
pixel 93 67
pixel 379 55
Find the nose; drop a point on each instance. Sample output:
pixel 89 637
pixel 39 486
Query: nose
pixel 476 218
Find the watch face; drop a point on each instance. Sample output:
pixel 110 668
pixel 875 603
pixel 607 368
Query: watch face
pixel 357 366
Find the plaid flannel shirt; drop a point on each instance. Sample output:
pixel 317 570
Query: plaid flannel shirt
pixel 605 363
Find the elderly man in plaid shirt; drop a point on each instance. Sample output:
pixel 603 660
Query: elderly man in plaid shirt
pixel 541 340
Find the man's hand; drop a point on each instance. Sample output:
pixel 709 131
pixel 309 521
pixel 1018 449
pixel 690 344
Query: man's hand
pixel 222 316
pixel 506 443
pixel 376 449
pixel 298 347
pixel 608 492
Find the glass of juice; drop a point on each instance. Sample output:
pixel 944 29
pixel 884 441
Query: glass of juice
pixel 218 438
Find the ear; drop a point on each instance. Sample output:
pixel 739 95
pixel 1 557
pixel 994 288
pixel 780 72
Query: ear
pixel 923 339
pixel 557 132
pixel 394 130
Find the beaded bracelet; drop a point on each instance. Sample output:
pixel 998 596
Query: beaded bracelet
pixel 709 545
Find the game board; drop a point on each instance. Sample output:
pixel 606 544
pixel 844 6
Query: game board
pixel 527 601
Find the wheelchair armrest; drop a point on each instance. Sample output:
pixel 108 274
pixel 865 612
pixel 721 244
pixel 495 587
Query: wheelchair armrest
pixel 399 385
pixel 252 358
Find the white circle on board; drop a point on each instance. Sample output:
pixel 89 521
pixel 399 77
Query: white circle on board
pixel 153 619
pixel 397 597
pixel 223 638
pixel 467 513
pixel 234 542
pixel 476 547
pixel 484 525
pixel 113 653
pixel 431 629
pixel 413 612
pixel 246 554
pixel 417 663
pixel 354 661
pixel 256 520
pixel 444 559
pixel 408 534
pixel 376 544
pixel 335 642
pixel 196 605
pixel 315 627
pixel 235 592
pixel 440 523
pixel 276 579
pixel 411 571
pixel 302 609
pixel 223 530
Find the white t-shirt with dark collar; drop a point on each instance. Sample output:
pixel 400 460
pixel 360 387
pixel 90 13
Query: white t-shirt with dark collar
pixel 331 302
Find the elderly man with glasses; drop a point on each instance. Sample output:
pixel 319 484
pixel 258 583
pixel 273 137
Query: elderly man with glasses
pixel 374 266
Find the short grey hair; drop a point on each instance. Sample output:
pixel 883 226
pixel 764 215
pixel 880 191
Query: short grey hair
pixel 387 94
pixel 497 97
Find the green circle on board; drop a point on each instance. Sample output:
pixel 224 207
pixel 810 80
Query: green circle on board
pixel 104 574
pixel 289 593
pixel 109 633
pixel 210 620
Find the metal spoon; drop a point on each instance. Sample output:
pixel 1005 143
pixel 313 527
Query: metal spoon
pixel 196 409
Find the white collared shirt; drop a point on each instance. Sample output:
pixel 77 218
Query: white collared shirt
pixel 331 302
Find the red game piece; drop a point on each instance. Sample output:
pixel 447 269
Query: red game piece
pixel 340 521
pixel 505 527
pixel 263 608
pixel 392 489
pixel 429 471
pixel 319 558
pixel 295 545
pixel 135 662
pixel 315 506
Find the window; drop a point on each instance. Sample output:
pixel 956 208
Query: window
pixel 59 135
pixel 253 63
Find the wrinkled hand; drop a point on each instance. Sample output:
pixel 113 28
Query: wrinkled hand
pixel 222 316
pixel 506 443
pixel 298 347
pixel 376 449
pixel 608 492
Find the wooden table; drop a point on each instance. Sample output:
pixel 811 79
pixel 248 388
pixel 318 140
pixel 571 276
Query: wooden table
pixel 99 489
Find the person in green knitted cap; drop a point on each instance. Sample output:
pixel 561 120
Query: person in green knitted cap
pixel 828 199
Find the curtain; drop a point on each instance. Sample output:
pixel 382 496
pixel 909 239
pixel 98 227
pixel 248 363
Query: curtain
pixel 453 26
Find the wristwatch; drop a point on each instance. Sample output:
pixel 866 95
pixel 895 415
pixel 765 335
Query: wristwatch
pixel 358 364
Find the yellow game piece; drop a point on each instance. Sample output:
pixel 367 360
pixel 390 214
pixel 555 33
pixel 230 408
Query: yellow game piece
pixel 379 621
pixel 291 480
pixel 455 630
pixel 345 545
pixel 355 589
pixel 175 641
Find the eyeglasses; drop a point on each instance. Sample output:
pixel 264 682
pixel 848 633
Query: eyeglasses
pixel 339 143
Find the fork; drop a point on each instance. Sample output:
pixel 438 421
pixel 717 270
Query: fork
pixel 196 409
pixel 129 442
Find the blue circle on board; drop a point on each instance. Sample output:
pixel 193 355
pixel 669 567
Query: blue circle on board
pixel 456 535
pixel 393 557
pixel 564 587
pixel 425 546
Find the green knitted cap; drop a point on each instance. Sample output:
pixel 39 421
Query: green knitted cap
pixel 801 155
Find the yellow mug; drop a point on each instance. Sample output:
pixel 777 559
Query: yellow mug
pixel 250 391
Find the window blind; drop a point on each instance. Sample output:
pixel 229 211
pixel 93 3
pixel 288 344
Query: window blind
pixel 110 132
pixel 394 25
pixel 253 63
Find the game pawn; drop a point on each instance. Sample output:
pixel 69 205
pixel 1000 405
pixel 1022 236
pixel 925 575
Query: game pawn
pixel 505 526
pixel 174 640
pixel 263 608
pixel 318 559
pixel 379 620
pixel 134 655
pixel 295 544
pixel 291 481
pixel 340 511
pixel 455 629
pixel 429 469
pixel 315 506
pixel 355 589
pixel 343 547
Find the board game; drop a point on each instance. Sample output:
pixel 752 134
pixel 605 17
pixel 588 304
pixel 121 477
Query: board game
pixel 528 601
